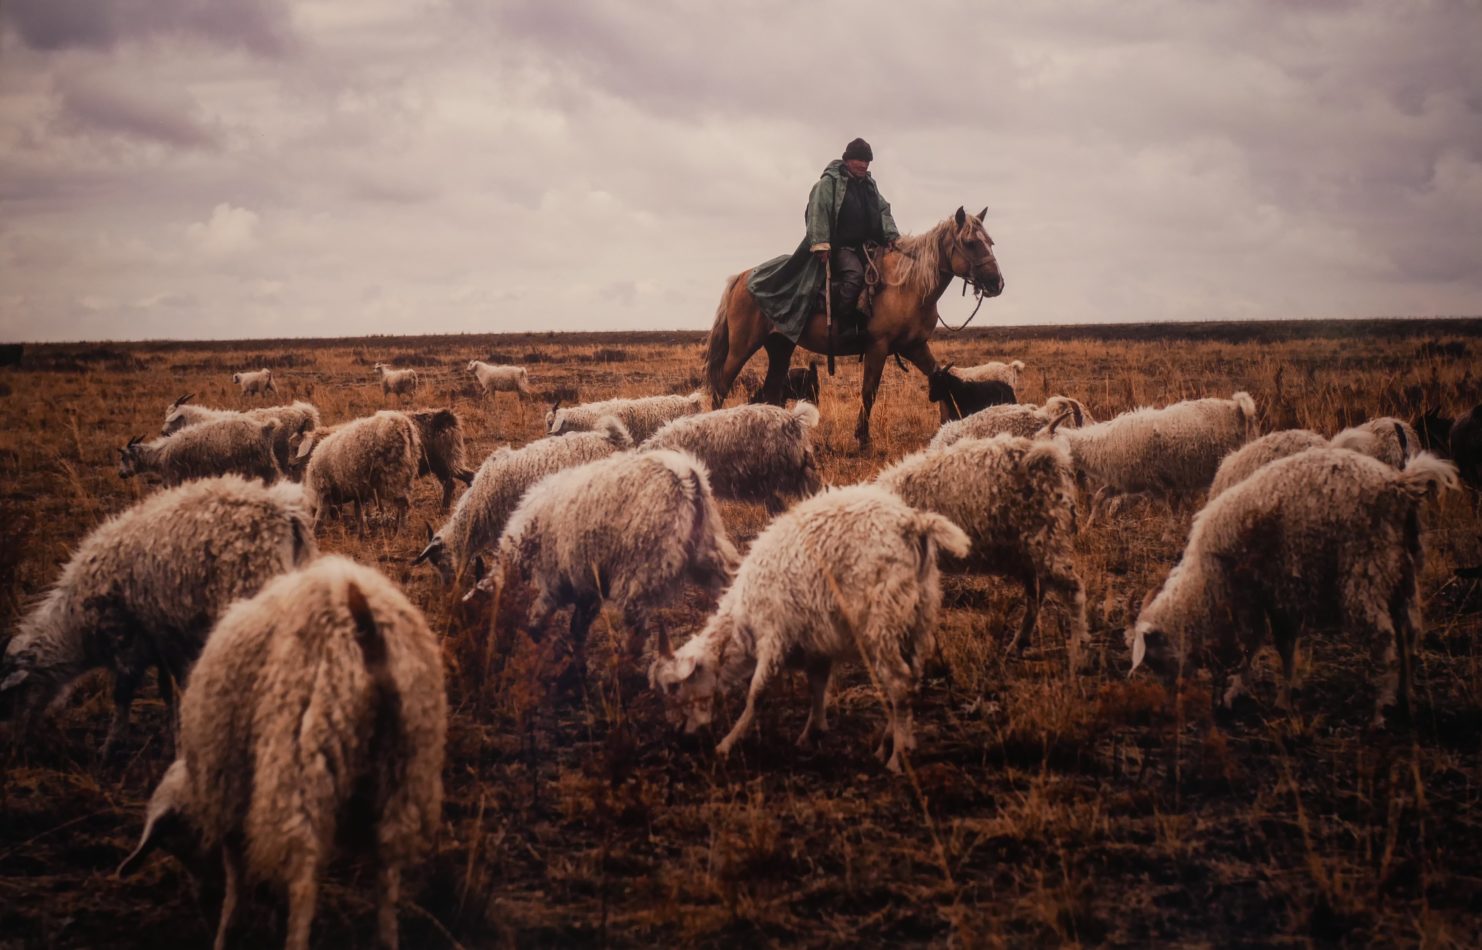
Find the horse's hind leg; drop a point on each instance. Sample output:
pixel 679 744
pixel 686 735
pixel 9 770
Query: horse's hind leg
pixel 874 365
pixel 779 357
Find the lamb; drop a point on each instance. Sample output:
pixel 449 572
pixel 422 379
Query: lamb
pixel 503 479
pixel 234 445
pixel 958 397
pixel 1174 451
pixel 256 382
pixel 399 381
pixel 293 419
pixel 1325 537
pixel 1015 498
pixel 629 528
pixel 500 379
pixel 1243 462
pixel 372 458
pixel 1386 438
pixel 800 384
pixel 751 452
pixel 642 417
pixel 143 589
pixel 1021 420
pixel 847 572
pixel 441 432
pixel 315 719
pixel 1003 372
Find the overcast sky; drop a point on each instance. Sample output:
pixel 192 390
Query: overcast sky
pixel 195 169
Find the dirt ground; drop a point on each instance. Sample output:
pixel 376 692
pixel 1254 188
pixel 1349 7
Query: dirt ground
pixel 1038 808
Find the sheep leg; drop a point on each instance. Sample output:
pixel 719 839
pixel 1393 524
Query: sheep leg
pixel 818 676
pixel 1284 635
pixel 1033 594
pixel 388 880
pixel 447 492
pixel 303 894
pixel 1068 589
pixel 583 615
pixel 231 863
pixel 874 365
pixel 768 661
pixel 124 685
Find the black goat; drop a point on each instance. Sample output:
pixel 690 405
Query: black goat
pixel 961 397
pixel 1459 438
pixel 801 384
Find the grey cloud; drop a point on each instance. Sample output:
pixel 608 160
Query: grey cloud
pixel 91 104
pixel 259 26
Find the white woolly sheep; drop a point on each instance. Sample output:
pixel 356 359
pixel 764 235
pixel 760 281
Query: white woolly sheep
pixel 143 589
pixel 1015 498
pixel 1002 372
pixel 374 458
pixel 403 382
pixel 758 452
pixel 500 379
pixel 629 528
pixel 293 419
pixel 443 449
pixel 1386 438
pixel 846 573
pixel 257 382
pixel 1024 420
pixel 503 479
pixel 315 719
pixel 642 417
pixel 237 445
pixel 1327 537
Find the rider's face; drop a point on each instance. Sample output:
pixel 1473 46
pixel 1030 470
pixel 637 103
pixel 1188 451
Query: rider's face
pixel 856 167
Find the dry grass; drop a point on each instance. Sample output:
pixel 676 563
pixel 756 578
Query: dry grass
pixel 1041 808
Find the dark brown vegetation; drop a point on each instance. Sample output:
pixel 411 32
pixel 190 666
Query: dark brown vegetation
pixel 1038 808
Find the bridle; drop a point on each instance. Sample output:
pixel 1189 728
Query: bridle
pixel 978 290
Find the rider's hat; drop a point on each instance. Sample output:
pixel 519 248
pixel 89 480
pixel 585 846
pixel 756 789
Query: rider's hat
pixel 860 149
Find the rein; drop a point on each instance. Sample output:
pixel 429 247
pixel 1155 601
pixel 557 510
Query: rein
pixel 977 292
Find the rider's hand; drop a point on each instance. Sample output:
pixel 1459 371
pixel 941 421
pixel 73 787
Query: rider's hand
pixel 821 254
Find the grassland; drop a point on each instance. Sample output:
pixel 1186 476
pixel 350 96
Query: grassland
pixel 1040 808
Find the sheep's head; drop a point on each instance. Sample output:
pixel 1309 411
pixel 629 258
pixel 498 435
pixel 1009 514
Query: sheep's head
pixel 685 683
pixel 436 554
pixel 1155 650
pixel 167 825
pixel 129 458
pixel 24 688
pixel 237 378
pixel 473 366
pixel 937 383
pixel 554 418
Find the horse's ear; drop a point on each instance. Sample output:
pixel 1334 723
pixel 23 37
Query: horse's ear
pixel 983 214
pixel 961 216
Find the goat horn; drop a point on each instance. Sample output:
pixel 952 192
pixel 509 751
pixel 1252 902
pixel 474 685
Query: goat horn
pixel 182 400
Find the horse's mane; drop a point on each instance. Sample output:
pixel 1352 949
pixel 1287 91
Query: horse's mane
pixel 921 264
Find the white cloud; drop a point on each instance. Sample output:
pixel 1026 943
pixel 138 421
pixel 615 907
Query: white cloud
pixel 229 231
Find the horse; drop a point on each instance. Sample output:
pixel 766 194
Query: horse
pixel 914 275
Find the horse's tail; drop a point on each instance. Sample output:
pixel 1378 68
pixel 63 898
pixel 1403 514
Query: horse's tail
pixel 718 345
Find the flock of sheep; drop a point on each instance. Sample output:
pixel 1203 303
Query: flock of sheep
pixel 311 681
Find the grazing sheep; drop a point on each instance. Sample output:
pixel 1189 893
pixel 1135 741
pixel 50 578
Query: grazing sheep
pixel 441 432
pixel 500 379
pixel 959 397
pixel 1244 461
pixel 629 528
pixel 314 721
pixel 851 572
pixel 1021 420
pixel 642 417
pixel 758 453
pixel 234 445
pixel 1327 537
pixel 293 419
pixel 1015 498
pixel 1003 372
pixel 1387 439
pixel 374 458
pixel 1173 452
pixel 503 479
pixel 400 381
pixel 800 384
pixel 257 382
pixel 143 589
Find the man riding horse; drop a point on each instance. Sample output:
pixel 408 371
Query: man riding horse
pixel 845 210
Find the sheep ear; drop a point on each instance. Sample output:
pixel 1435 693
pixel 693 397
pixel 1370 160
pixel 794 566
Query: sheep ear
pixel 1139 652
pixel 433 545
pixel 983 214
pixel 14 679
pixel 305 446
pixel 182 400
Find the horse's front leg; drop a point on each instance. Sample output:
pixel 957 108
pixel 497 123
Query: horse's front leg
pixel 921 357
pixel 874 364
pixel 779 359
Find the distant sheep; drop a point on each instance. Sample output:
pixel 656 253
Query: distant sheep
pixel 642 416
pixel 500 379
pixel 959 397
pixel 629 528
pixel 443 450
pixel 847 573
pixel 293 419
pixel 479 519
pixel 1015 498
pixel 1021 420
pixel 800 384
pixel 257 382
pixel 1003 372
pixel 758 453
pixel 1327 537
pixel 374 458
pixel 143 589
pixel 400 381
pixel 315 720
pixel 235 445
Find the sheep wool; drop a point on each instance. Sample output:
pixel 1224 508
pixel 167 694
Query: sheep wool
pixel 443 448
pixel 642 417
pixel 236 445
pixel 1003 372
pixel 754 452
pixel 1244 461
pixel 374 458
pixel 1023 419
pixel 293 419
pixel 1390 440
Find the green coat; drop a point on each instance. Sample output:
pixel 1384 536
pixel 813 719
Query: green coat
pixel 786 288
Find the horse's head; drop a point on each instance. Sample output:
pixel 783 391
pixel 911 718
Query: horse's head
pixel 968 250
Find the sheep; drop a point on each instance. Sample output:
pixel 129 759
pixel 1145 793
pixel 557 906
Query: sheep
pixel 371 458
pixel 1325 537
pixel 441 432
pixel 1021 420
pixel 503 479
pixel 500 379
pixel 642 417
pixel 257 382
pixel 293 419
pixel 1015 498
pixel 958 397
pixel 800 384
pixel 234 445
pixel 751 452
pixel 1173 451
pixel 1003 372
pixel 628 528
pixel 1244 461
pixel 315 720
pixel 848 572
pixel 1386 438
pixel 400 381
pixel 144 587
